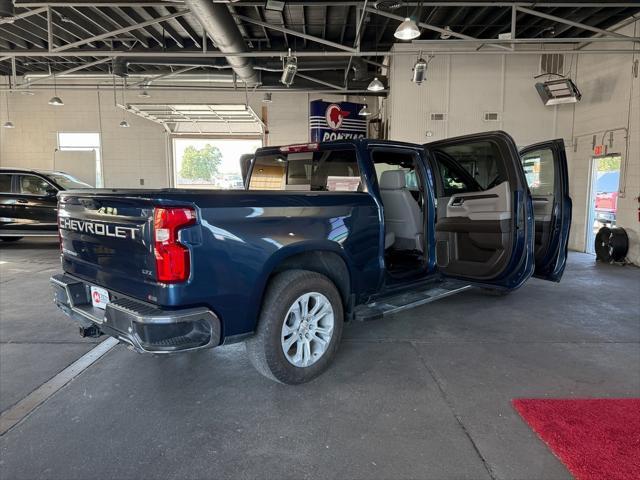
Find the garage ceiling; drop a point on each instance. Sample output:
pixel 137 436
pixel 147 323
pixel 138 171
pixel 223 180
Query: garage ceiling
pixel 339 44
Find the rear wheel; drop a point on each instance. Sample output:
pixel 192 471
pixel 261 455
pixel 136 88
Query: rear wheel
pixel 10 239
pixel 299 328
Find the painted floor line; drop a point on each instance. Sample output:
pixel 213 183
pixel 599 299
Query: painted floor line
pixel 14 415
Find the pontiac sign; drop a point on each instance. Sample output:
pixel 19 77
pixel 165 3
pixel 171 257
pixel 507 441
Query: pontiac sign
pixel 336 121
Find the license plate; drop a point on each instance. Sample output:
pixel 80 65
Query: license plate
pixel 99 297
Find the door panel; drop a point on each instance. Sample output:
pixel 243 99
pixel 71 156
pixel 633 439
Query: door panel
pixel 545 166
pixel 492 204
pixel 35 210
pixel 7 201
pixel 483 232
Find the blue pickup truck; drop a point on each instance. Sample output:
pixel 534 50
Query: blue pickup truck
pixel 322 234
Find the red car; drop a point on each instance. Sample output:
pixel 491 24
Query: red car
pixel 607 197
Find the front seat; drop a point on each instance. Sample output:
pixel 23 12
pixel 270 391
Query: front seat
pixel 402 214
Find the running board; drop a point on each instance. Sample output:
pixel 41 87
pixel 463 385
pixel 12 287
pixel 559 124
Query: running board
pixel 405 301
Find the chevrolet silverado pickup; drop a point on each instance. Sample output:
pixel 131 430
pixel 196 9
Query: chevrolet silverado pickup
pixel 321 234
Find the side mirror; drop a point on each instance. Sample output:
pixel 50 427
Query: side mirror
pixel 51 192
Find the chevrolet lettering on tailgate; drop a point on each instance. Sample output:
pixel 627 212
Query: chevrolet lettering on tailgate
pixel 96 228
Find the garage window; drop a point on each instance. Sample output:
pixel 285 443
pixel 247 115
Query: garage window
pixel 211 163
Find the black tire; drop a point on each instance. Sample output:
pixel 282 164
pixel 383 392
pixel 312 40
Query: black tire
pixel 265 349
pixel 10 239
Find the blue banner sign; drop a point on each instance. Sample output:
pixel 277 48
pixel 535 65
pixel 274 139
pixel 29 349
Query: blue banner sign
pixel 334 121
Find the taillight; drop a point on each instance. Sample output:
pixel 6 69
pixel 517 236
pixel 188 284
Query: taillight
pixel 172 258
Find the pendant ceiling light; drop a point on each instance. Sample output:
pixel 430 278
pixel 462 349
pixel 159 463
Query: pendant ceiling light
pixel 8 123
pixel 56 101
pixel 375 85
pixel 407 30
pixel 364 111
pixel 123 123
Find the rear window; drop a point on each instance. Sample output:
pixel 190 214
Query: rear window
pixel 320 171
pixel 5 183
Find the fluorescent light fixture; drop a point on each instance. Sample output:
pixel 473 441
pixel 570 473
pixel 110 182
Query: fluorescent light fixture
pixel 375 85
pixel 56 101
pixel 275 5
pixel 419 71
pixel 267 98
pixel 407 30
pixel 8 124
pixel 558 92
pixel 364 111
pixel 289 70
pixel 124 124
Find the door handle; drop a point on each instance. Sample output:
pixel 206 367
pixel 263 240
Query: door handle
pixel 21 200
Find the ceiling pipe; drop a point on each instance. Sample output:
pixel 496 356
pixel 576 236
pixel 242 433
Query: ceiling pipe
pixel 121 64
pixel 217 21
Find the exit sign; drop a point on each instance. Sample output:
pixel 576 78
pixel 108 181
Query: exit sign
pixel 599 150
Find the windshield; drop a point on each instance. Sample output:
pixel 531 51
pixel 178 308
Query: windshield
pixel 67 182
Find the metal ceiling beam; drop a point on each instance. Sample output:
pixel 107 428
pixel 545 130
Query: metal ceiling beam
pixel 153 13
pixel 65 72
pixel 260 3
pixel 164 75
pixel 23 15
pixel 132 16
pixel 296 33
pixel 119 31
pixel 186 27
pixel 575 24
pixel 321 82
pixel 195 54
pixel 264 29
pixel 428 26
pixel 600 37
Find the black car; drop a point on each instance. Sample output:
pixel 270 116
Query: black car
pixel 28 202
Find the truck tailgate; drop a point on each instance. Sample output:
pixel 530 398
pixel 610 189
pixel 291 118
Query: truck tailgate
pixel 107 240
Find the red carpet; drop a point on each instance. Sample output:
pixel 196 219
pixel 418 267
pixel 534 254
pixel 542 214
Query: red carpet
pixel 595 438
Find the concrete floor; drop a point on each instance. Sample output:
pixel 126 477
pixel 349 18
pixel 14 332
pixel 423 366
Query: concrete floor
pixel 424 394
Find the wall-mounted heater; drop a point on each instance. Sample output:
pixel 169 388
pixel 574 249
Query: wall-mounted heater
pixel 557 92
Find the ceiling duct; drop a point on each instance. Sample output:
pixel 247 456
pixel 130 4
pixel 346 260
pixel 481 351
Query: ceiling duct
pixel 121 64
pixel 217 21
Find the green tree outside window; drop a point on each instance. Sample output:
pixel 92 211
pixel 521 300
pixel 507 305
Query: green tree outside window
pixel 200 164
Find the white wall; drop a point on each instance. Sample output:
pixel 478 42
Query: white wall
pixel 611 100
pixel 138 152
pixel 466 86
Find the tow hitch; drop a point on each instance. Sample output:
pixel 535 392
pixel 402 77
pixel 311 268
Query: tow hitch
pixel 91 331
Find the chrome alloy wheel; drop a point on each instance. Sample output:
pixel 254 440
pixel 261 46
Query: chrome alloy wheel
pixel 307 329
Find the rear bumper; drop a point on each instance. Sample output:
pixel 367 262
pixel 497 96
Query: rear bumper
pixel 146 327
